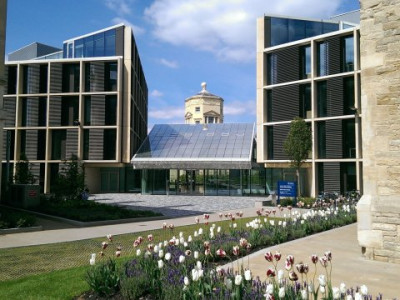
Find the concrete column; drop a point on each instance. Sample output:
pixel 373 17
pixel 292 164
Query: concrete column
pixel 379 208
pixel 3 22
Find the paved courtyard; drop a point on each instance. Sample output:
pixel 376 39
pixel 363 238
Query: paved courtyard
pixel 178 206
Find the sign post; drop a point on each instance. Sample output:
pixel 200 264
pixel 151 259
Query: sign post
pixel 287 189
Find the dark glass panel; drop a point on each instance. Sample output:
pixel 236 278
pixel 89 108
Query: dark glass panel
pixel 41 149
pixel 321 142
pixel 305 60
pixel 111 110
pixel 321 99
pixel 297 30
pixel 313 29
pixel 69 110
pixel 111 76
pixel 99 44
pixel 65 54
pixel 109 144
pixel 58 141
pixel 86 144
pixel 109 49
pixel 279 31
pixel 43 79
pixel 329 27
pixel 272 61
pixel 305 101
pixel 78 51
pixel 349 139
pixel 87 110
pixel 269 106
pixel 322 59
pixel 42 111
pixel 348 96
pixel 348 54
pixel 70 78
pixel 70 50
pixel 12 80
pixel 270 142
pixel 88 46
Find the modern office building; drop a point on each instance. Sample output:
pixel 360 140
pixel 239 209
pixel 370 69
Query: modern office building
pixel 200 159
pixel 311 69
pixel 3 22
pixel 204 107
pixel 88 100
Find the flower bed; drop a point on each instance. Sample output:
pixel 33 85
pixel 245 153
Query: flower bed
pixel 180 267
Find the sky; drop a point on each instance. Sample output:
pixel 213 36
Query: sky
pixel 181 43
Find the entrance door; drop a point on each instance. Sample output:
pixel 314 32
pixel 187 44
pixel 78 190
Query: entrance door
pixel 190 182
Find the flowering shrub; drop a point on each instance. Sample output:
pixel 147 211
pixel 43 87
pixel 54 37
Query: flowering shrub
pixel 183 267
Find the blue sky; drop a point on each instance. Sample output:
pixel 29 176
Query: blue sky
pixel 181 42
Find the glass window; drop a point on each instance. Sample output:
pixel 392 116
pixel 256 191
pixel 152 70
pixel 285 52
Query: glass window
pixel 211 182
pixel 109 144
pixel 348 96
pixel 69 50
pixel 87 110
pixel 321 142
pixel 272 70
pixel 349 138
pixel 297 30
pixel 88 46
pixel 279 31
pixel 348 54
pixel 313 29
pixel 11 80
pixel 111 110
pixel 33 111
pixel 305 101
pixel 71 77
pixel 69 110
pixel 78 51
pixel 269 106
pixel 197 109
pixel 270 142
pixel 329 27
pixel 109 49
pixel 305 59
pixel 321 99
pixel 43 79
pixel 322 61
pixel 111 76
pixel 99 44
pixel 86 144
pixel 58 143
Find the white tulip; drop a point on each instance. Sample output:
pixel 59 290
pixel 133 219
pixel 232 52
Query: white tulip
pixel 181 259
pixel 198 265
pixel 195 275
pixel 322 280
pixel 182 240
pixel 190 239
pixel 168 256
pixel 322 289
pixel 138 252
pixel 247 275
pixel 335 293
pixel 160 245
pixel 147 254
pixel 281 292
pixel 200 231
pixel 234 225
pixel 349 297
pixel 342 288
pixel 270 289
pixel 156 248
pixel 211 235
pixel 186 281
pixel 92 260
pixel 284 224
pixel 195 233
pixel 196 254
pixel 238 279
pixel 364 290
pixel 358 296
pixel 161 253
pixel 180 234
pixel 281 273
pixel 160 264
pixel 219 229
pixel 165 243
pixel 272 222
pixel 304 294
pixel 185 244
pixel 176 242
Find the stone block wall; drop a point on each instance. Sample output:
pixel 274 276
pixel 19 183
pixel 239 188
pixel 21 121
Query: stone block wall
pixel 379 208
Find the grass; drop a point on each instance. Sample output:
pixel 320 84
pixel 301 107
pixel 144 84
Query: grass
pixel 87 211
pixel 31 260
pixel 65 284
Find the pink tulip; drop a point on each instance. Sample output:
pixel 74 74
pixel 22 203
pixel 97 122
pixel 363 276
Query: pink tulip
pixel 271 272
pixel 104 245
pixel 314 258
pixel 268 256
pixel 220 252
pixel 277 256
pixel 150 237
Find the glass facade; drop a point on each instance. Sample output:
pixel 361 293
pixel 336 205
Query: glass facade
pixel 283 30
pixel 322 59
pixel 211 182
pixel 348 54
pixel 97 45
pixel 322 96
pixel 305 61
pixel 305 101
pixel 70 78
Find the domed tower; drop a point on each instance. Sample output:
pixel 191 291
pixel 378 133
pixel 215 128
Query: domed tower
pixel 204 107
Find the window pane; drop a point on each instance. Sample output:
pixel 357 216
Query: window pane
pixel 99 44
pixel 322 59
pixel 111 75
pixel 321 99
pixel 109 49
pixel 111 110
pixel 109 144
pixel 279 31
pixel 348 54
pixel 297 30
pixel 78 52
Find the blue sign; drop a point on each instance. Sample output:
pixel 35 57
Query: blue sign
pixel 287 189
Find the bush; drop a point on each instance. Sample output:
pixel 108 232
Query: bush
pixel 14 219
pixel 104 278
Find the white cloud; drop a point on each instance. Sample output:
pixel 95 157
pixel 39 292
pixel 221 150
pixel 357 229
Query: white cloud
pixel 168 113
pixel 236 108
pixel 169 63
pixel 226 28
pixel 156 93
pixel 121 7
pixel 136 29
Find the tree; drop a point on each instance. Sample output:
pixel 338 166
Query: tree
pixel 23 171
pixel 297 145
pixel 70 181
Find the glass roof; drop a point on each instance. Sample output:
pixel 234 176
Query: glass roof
pixel 196 146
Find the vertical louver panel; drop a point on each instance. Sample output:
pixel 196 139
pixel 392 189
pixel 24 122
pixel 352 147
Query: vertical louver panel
pixel 334 51
pixel 55 111
pixel 32 79
pixel 71 143
pixel 96 76
pixel 280 134
pixel 285 103
pixel 9 109
pixel 96 144
pixel 32 112
pixel 332 177
pixel 56 78
pixel 288 57
pixel 334 147
pixel 97 110
pixel 31 145
pixel 335 97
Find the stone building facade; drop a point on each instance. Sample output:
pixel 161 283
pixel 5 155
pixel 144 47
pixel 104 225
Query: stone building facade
pixel 379 208
pixel 204 107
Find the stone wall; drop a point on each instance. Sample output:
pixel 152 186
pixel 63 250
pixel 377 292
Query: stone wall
pixel 379 208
